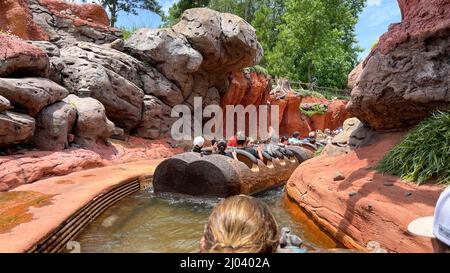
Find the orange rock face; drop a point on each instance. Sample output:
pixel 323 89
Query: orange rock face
pixel 254 89
pixel 246 89
pixel 86 14
pixel 365 206
pixel 292 118
pixel 32 166
pixel 334 117
pixel 16 19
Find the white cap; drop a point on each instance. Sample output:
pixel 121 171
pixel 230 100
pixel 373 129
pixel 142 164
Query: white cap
pixel 199 141
pixel 437 226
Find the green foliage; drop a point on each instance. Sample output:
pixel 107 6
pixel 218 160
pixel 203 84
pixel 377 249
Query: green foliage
pixel 423 154
pixel 375 43
pixel 317 109
pixel 316 43
pixel 127 31
pixel 319 150
pixel 266 21
pixel 322 94
pixel 257 69
pixel 179 7
pixel 309 93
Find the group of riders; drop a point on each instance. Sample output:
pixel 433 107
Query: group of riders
pixel 272 145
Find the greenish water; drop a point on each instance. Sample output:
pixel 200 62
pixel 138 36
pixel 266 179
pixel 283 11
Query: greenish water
pixel 145 222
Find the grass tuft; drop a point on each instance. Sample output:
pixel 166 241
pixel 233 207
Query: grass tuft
pixel 317 109
pixel 257 69
pixel 424 154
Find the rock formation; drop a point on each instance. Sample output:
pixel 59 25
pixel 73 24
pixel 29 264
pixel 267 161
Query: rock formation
pixel 365 206
pixel 133 83
pixel 54 125
pixel 91 124
pixel 15 128
pixel 66 23
pixel 407 75
pixel 31 94
pixel 18 58
pixel 16 19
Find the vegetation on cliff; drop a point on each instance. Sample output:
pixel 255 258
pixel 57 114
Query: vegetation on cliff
pixel 424 153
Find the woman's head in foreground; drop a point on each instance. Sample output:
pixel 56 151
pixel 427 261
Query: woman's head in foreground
pixel 241 224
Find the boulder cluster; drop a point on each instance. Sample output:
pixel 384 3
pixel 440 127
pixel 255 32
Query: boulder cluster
pixel 81 82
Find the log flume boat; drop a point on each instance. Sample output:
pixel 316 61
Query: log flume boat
pixel 220 176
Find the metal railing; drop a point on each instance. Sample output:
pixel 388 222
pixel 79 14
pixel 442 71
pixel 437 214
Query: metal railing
pixel 325 91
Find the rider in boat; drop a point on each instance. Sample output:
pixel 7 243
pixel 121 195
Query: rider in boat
pixel 242 142
pixel 295 139
pixel 222 147
pixel 198 145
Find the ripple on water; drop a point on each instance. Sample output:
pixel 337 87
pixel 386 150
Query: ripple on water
pixel 148 222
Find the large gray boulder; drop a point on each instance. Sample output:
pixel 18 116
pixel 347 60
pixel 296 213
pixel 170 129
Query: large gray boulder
pixel 354 134
pixel 156 120
pixel 226 41
pixel 31 94
pixel 121 98
pixel 146 77
pixel 4 104
pixel 91 125
pixel 199 53
pixel 15 128
pixel 53 125
pixel 169 52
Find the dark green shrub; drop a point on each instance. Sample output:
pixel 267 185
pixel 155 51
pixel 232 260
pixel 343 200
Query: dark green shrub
pixel 423 154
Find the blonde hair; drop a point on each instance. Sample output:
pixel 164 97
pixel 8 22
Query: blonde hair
pixel 241 224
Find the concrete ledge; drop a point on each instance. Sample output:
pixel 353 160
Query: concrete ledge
pixel 75 200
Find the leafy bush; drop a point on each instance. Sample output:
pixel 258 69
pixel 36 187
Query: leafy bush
pixel 318 109
pixel 257 69
pixel 319 150
pixel 309 93
pixel 126 32
pixel 323 94
pixel 423 154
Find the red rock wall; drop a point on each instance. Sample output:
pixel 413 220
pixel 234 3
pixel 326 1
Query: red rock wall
pixel 419 18
pixel 31 166
pixel 254 89
pixel 365 206
pixel 16 19
pixel 86 14
pixel 334 117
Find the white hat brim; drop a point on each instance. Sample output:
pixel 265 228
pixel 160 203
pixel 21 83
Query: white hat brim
pixel 422 227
